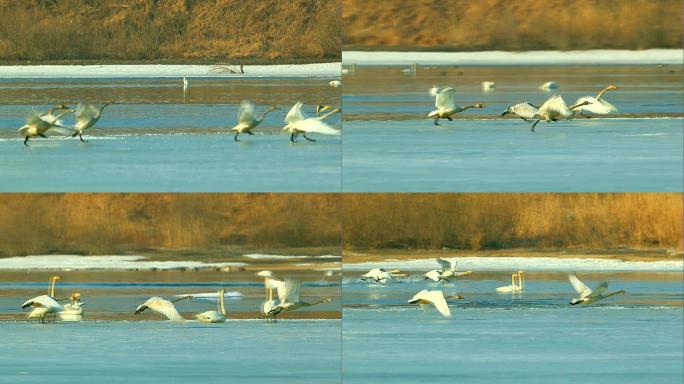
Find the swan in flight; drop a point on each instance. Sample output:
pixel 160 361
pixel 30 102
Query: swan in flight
pixel 288 294
pixel 86 116
pixel 587 296
pixel 218 316
pixel 446 104
pixel 335 83
pixel 525 111
pixel 377 275
pixel 44 305
pixel 38 125
pixel 436 298
pixel 247 118
pixel 297 123
pixel 163 307
pixel 597 104
pixel 449 269
pixel 555 109
pixel 517 283
pixel 549 86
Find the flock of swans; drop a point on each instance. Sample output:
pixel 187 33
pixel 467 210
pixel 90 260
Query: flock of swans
pixel 86 114
pixel 437 299
pixel 553 109
pixel 48 307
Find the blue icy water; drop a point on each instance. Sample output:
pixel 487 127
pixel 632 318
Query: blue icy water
pixel 390 145
pixel 535 337
pixel 161 138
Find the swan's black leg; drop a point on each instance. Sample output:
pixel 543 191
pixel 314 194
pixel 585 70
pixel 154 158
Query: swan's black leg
pixel 236 135
pixel 308 138
pixel 436 121
pixel 534 125
pixel 26 140
pixel 292 138
pixel 250 132
pixel 449 118
pixel 43 136
pixel 81 137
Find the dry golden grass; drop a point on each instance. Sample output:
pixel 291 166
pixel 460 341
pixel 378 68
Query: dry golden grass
pixel 95 223
pixel 132 30
pixel 478 221
pixel 511 25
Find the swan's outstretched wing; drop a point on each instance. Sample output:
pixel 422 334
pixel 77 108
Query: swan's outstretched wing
pixel 272 283
pixel 34 119
pixel 44 301
pixel 524 110
pixel 554 103
pixel 161 306
pixel 247 112
pixel 289 291
pixel 579 286
pixel 85 111
pixel 295 113
pixel 433 275
pixel 447 264
pixel 598 291
pixel 315 125
pixel 433 91
pixel 436 298
pixel 446 98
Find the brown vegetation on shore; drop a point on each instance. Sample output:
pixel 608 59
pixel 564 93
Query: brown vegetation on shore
pixel 141 30
pixel 97 223
pixel 490 221
pixel 511 25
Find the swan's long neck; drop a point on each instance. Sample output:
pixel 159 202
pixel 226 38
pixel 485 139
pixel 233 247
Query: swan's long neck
pixel 320 301
pixel 61 114
pixel 222 305
pixel 334 111
pixel 606 89
pixel 620 292
pixel 263 115
pixel 576 105
pixel 99 112
pixel 53 281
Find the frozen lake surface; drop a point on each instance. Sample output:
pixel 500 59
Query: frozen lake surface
pixel 166 139
pixel 535 337
pixel 390 145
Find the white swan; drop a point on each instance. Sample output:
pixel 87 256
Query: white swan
pixel 555 109
pixel 335 83
pixel 72 311
pixel 549 86
pixel 37 124
pixel 597 104
pixel 488 86
pixel 163 307
pixel 186 83
pixel 449 269
pixel 517 283
pixel 218 316
pixel 44 305
pixel 378 275
pixel 297 123
pixel 587 296
pixel 436 298
pixel 247 118
pixel 288 294
pixel 270 284
pixel 525 111
pixel 446 104
pixel 86 116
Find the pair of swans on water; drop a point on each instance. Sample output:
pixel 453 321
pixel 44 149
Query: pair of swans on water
pixel 437 299
pixel 38 124
pixel 46 306
pixel 553 109
pixel 296 122
pixel 449 269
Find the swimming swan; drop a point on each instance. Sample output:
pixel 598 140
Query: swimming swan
pixel 218 316
pixel 517 283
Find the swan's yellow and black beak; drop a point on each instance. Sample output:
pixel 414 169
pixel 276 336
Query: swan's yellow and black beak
pixel 140 309
pixel 322 108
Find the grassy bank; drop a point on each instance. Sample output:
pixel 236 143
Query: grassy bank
pixel 496 221
pixel 511 25
pixel 170 31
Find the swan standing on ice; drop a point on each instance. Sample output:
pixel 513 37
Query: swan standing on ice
pixel 163 307
pixel 44 305
pixel 288 293
pixel 525 111
pixel 247 119
pixel 517 283
pixel 86 116
pixel 436 298
pixel 587 296
pixel 555 109
pixel 297 123
pixel 37 125
pixel 218 316
pixel 270 284
pixel 446 104
pixel 597 104
pixel 449 269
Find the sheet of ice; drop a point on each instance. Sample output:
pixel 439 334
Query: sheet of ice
pixel 110 262
pixel 258 256
pixel 331 70
pixel 211 296
pixel 592 57
pixel 526 263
